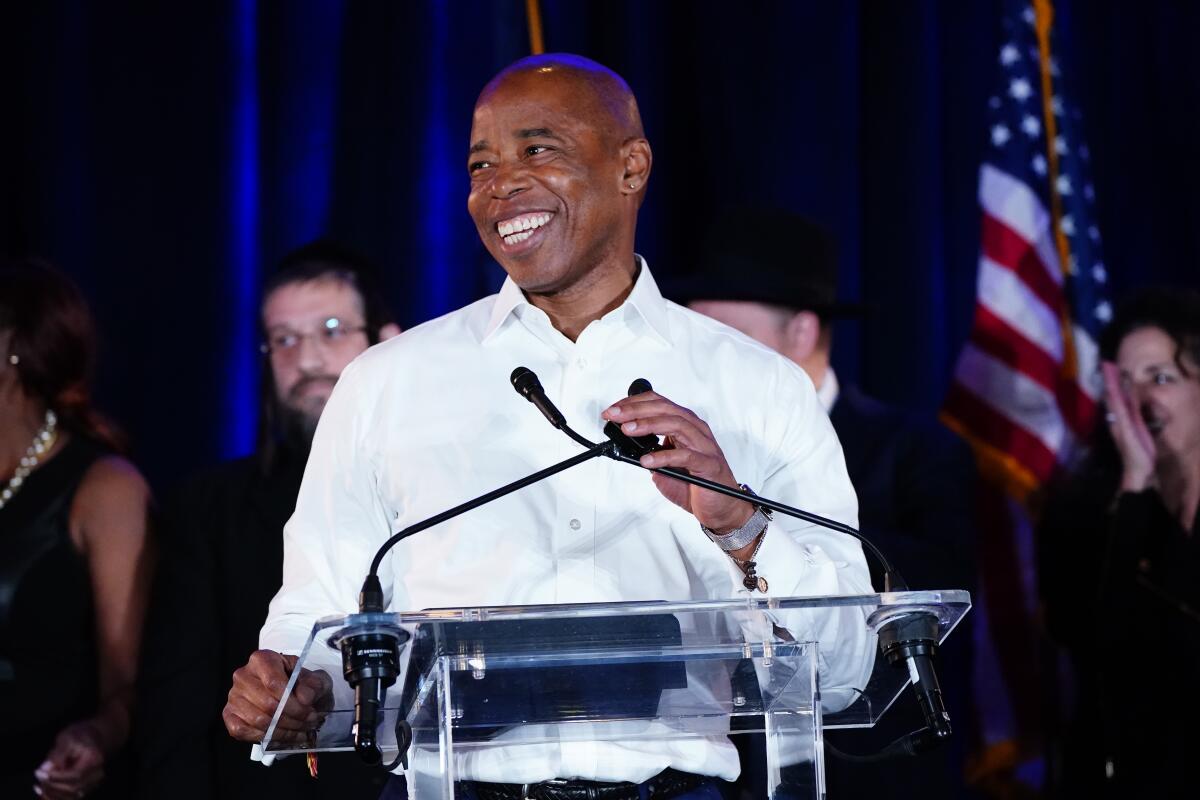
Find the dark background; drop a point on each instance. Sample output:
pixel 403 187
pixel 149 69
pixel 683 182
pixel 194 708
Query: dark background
pixel 165 155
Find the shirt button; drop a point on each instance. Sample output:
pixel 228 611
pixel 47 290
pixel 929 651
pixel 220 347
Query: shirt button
pixel 575 524
pixel 581 362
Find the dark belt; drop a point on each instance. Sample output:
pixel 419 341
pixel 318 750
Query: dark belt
pixel 663 786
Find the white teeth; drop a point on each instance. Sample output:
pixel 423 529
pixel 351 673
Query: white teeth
pixel 518 237
pixel 525 222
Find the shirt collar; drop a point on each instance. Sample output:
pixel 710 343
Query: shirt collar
pixel 827 392
pixel 645 301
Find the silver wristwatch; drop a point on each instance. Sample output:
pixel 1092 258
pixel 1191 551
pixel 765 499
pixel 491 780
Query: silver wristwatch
pixel 737 539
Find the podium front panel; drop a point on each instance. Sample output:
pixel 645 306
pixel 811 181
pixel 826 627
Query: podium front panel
pixel 483 690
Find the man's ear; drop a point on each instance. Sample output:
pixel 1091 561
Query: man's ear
pixel 802 335
pixel 388 331
pixel 636 158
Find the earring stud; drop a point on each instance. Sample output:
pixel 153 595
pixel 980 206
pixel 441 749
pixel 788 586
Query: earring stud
pixel 14 359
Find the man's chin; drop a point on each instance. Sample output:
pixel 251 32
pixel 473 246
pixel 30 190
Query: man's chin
pixel 299 423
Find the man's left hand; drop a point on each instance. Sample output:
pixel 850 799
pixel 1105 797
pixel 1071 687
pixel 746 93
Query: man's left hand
pixel 689 445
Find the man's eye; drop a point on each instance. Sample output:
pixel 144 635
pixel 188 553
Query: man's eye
pixel 334 333
pixel 536 149
pixel 1161 378
pixel 475 166
pixel 284 341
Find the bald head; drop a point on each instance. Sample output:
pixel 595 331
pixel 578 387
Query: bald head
pixel 604 98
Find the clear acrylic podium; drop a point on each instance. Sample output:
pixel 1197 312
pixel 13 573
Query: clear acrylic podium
pixel 485 690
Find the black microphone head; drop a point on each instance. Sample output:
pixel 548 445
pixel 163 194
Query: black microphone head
pixel 639 386
pixel 525 381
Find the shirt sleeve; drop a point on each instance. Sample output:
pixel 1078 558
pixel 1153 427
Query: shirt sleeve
pixel 339 521
pixel 798 558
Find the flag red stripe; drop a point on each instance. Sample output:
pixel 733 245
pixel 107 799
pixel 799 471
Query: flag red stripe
pixel 999 431
pixel 997 338
pixel 1005 246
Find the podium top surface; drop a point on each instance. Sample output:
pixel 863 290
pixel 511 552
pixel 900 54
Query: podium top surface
pixel 950 604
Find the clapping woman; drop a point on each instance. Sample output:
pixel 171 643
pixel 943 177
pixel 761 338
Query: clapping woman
pixel 1120 568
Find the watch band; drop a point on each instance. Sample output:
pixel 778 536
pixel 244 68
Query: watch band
pixel 737 539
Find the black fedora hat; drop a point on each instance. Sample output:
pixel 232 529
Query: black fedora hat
pixel 766 256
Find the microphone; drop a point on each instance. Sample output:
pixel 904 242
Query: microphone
pixel 639 386
pixel 528 386
pixel 370 665
pixel 633 446
pixel 911 641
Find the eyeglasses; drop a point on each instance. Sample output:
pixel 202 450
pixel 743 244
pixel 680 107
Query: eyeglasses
pixel 332 334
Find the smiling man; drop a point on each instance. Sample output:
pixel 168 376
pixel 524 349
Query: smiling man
pixel 558 165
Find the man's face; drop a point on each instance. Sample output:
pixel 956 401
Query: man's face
pixel 760 322
pixel 314 329
pixel 545 180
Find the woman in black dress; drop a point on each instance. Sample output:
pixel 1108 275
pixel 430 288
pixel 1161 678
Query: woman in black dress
pixel 1120 567
pixel 74 551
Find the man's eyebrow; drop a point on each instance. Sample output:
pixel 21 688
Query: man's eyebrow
pixel 538 133
pixel 482 144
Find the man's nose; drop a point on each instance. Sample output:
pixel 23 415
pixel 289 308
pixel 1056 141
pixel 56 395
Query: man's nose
pixel 510 179
pixel 311 355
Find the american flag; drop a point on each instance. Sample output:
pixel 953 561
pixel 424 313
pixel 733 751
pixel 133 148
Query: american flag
pixel 1026 386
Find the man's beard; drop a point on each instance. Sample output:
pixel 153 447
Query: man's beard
pixel 298 415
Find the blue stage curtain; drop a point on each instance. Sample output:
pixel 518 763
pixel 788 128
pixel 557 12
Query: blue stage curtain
pixel 167 155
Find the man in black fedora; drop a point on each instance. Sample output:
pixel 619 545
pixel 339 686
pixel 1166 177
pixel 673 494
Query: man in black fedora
pixel 773 276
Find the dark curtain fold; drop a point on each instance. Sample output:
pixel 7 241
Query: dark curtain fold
pixel 165 156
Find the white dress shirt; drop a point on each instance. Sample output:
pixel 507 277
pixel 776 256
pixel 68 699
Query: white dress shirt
pixel 428 420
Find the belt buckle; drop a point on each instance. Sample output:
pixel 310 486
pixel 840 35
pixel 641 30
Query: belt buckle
pixel 557 782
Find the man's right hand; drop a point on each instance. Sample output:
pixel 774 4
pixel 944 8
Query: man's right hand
pixel 255 695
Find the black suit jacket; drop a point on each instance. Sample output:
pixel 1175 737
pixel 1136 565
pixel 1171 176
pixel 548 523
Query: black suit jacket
pixel 915 483
pixel 221 563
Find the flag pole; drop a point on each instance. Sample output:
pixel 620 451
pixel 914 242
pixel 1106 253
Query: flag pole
pixel 1043 20
pixel 533 12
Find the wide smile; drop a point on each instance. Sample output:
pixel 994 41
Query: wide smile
pixel 523 232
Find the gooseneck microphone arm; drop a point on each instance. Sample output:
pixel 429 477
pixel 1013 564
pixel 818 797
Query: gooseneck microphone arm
pixel 370 659
pixel 594 451
pixel 893 582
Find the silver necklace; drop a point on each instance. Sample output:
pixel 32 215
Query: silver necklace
pixel 43 440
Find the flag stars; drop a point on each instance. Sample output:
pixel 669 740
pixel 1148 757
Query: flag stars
pixel 1060 145
pixel 1104 311
pixel 1089 191
pixel 1039 164
pixel 1009 54
pixel 1020 90
pixel 1094 233
pixel 1031 126
pixel 1028 15
pixel 1054 68
pixel 1063 185
pixel 1000 135
pixel 994 102
pixel 1099 273
pixel 1067 225
pixel 1056 105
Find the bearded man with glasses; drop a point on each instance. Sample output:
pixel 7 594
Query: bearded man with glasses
pixel 222 542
